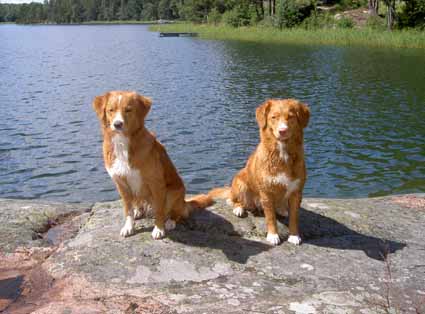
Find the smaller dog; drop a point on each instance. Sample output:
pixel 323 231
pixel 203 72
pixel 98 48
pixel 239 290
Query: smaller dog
pixel 139 165
pixel 274 176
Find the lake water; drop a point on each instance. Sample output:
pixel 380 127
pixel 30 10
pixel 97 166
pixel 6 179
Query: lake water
pixel 366 135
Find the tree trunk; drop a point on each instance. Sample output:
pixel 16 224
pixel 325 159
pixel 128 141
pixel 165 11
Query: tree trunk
pixel 262 8
pixel 390 14
pixel 373 7
pixel 270 7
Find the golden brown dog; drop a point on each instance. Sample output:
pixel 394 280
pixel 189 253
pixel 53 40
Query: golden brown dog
pixel 274 176
pixel 139 164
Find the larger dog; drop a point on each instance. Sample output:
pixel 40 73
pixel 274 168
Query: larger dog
pixel 274 176
pixel 139 164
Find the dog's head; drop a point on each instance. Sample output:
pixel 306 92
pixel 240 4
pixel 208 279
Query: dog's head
pixel 120 111
pixel 282 118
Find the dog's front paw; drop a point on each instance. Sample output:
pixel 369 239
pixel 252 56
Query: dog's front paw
pixel 238 211
pixel 294 239
pixel 158 233
pixel 128 228
pixel 273 238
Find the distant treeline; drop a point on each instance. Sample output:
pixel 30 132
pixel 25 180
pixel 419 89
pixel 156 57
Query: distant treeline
pixel 278 13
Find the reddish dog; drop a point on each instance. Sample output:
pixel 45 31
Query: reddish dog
pixel 139 165
pixel 274 176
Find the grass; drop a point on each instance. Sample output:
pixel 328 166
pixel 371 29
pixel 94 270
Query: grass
pixel 341 37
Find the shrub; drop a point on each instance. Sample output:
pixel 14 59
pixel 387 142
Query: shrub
pixel 413 14
pixel 318 21
pixel 288 14
pixel 292 12
pixel 345 22
pixel 376 22
pixel 214 17
pixel 189 11
pixel 238 16
pixel 267 21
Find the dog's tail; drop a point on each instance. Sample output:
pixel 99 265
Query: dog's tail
pixel 200 201
pixel 220 193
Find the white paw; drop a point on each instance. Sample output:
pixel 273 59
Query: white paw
pixel 294 239
pixel 138 213
pixel 157 233
pixel 273 238
pixel 128 228
pixel 170 224
pixel 238 211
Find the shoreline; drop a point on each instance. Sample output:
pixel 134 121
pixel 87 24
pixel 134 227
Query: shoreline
pixel 336 37
pixel 130 22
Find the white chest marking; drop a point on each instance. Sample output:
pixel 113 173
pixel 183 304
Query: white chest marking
pixel 283 154
pixel 282 179
pixel 121 166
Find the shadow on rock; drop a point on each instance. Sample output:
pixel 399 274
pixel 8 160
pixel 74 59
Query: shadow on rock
pixel 327 232
pixel 207 229
pixel 10 288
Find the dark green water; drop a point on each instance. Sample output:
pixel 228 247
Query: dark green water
pixel 366 135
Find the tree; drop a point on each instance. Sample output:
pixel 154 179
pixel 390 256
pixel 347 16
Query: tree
pixel 391 13
pixel 149 12
pixel 413 14
pixel 134 8
pixel 288 14
pixel 123 11
pixel 77 12
pixel 373 6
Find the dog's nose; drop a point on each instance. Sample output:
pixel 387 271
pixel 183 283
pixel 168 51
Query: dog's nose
pixel 118 125
pixel 282 131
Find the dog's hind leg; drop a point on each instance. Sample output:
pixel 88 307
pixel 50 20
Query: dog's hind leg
pixel 240 196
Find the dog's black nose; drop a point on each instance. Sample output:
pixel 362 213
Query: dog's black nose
pixel 118 125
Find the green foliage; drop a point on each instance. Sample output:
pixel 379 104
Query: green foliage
pixel 288 14
pixel 318 21
pixel 376 23
pixel 240 15
pixel 413 14
pixel 291 13
pixel 345 22
pixel 236 13
pixel 214 17
pixel 149 12
pixel 188 12
pixel 267 21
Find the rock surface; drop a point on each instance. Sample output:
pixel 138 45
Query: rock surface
pixel 358 256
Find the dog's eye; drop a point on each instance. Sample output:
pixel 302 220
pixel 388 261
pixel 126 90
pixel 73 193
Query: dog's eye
pixel 274 117
pixel 110 110
pixel 127 109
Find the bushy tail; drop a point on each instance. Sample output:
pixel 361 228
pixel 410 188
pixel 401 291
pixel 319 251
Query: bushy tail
pixel 200 201
pixel 220 193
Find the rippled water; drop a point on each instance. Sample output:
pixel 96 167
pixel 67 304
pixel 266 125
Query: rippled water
pixel 366 134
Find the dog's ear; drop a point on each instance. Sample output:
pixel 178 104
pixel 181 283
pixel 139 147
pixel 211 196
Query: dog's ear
pixel 99 104
pixel 145 104
pixel 303 114
pixel 261 113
